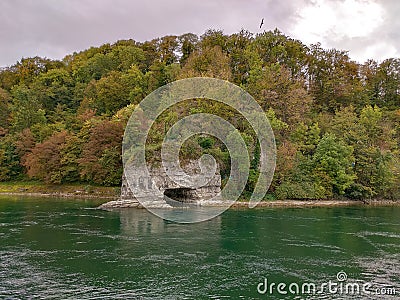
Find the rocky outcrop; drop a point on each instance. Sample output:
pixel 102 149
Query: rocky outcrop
pixel 175 192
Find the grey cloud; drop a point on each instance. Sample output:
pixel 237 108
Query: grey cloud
pixel 55 28
pixel 387 33
pixel 390 29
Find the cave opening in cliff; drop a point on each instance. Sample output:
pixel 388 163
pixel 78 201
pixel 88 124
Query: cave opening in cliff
pixel 183 195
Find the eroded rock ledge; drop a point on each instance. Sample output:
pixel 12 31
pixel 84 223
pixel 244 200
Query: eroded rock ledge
pixel 161 183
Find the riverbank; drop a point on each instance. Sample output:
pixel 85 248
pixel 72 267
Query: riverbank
pixel 38 189
pixel 122 204
pixel 317 203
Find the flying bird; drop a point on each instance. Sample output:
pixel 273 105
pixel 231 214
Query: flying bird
pixel 262 22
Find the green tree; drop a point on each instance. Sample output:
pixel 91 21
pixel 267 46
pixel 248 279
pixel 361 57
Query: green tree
pixel 209 62
pixel 237 47
pixel 129 56
pixel 370 119
pixel 96 67
pixel 5 99
pixel 333 164
pixel 306 137
pixel 273 47
pixel 214 38
pixel 10 167
pixel 26 110
pixel 70 153
pixel 52 88
pixel 28 68
pixel 296 176
pixel 188 44
pixel 111 93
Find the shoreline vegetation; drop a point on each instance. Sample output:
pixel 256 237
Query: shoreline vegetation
pixel 79 191
pixel 39 189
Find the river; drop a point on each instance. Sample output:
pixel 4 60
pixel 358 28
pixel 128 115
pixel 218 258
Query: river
pixel 67 249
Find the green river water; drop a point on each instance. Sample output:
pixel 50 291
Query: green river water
pixel 67 249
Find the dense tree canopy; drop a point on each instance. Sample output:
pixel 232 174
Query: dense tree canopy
pixel 336 121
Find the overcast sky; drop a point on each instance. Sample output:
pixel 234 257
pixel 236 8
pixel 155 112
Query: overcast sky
pixel 54 28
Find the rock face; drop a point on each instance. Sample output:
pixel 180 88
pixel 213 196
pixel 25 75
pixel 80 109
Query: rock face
pixel 177 190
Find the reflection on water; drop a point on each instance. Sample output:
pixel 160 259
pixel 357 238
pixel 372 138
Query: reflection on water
pixel 65 249
pixel 139 222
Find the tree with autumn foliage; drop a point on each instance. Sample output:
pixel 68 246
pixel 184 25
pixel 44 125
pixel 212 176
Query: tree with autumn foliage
pixel 335 120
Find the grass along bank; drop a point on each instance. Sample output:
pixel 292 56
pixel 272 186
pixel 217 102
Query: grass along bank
pixel 36 188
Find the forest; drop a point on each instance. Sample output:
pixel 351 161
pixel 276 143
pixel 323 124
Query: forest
pixel 336 121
